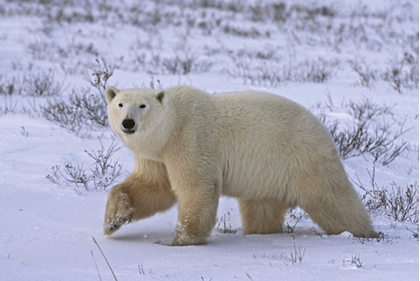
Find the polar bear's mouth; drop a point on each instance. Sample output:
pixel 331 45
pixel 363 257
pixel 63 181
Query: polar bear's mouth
pixel 129 132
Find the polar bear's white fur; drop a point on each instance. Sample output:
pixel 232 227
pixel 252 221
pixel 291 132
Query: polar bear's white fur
pixel 191 147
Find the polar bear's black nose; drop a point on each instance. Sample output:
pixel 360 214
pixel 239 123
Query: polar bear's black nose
pixel 128 124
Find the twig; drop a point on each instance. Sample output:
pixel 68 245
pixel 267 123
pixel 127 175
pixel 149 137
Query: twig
pixel 110 268
pixel 247 275
pixel 96 265
pixel 220 240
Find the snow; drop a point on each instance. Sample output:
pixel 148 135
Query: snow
pixel 47 227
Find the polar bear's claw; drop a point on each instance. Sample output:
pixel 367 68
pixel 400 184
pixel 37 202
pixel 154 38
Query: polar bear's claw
pixel 113 226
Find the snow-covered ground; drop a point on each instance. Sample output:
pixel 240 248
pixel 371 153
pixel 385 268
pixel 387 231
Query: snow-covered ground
pixel 325 55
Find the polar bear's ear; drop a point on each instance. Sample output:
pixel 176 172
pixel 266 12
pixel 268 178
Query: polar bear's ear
pixel 160 96
pixel 110 93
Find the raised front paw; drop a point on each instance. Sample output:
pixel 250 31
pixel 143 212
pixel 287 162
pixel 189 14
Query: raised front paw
pixel 118 210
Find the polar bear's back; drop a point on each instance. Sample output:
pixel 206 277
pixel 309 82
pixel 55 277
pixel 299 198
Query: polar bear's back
pixel 272 119
pixel 258 110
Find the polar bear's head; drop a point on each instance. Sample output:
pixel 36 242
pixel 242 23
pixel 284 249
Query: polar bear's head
pixel 138 117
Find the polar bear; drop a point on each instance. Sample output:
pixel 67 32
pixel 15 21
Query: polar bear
pixel 191 147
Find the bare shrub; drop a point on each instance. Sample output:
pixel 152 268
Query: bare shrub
pixel 40 50
pixel 230 5
pixel 36 84
pixel 381 237
pixel 258 12
pixel 366 109
pixel 415 232
pixel 367 76
pixel 223 224
pixel 11 86
pixel 42 84
pixel 81 111
pixel 158 86
pixel 63 114
pixel 396 202
pixel 98 75
pixel 184 64
pixel 241 69
pixel 9 105
pixel 403 73
pixel 297 215
pixel 70 50
pixel 394 76
pixel 297 254
pixel 355 260
pixel 71 174
pixel 60 15
pixel 403 202
pixel 381 140
pixel 317 71
pixel 92 108
pixel 263 73
pixel 177 65
pixel 104 171
pixel 99 177
pixel 274 12
pixel 252 32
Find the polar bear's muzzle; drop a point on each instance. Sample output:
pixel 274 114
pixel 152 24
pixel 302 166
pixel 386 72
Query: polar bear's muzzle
pixel 128 126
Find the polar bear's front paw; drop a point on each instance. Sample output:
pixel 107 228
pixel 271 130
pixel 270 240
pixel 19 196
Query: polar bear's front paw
pixel 188 241
pixel 118 212
pixel 112 225
pixel 182 238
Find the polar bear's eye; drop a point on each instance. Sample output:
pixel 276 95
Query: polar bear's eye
pixel 120 105
pixel 142 106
